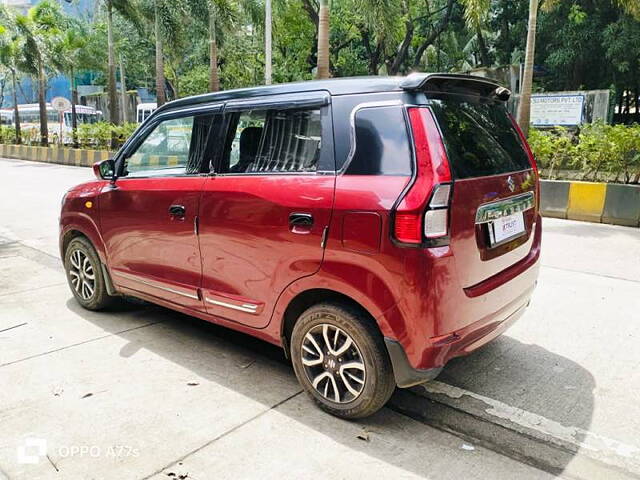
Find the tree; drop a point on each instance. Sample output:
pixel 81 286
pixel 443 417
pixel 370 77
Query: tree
pixel 221 18
pixel 169 18
pixel 323 40
pixel 161 97
pixel 267 42
pixel 68 55
pixel 9 56
pixel 38 30
pixel 524 108
pixel 475 14
pixel 129 11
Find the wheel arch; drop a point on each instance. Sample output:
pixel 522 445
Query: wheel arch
pixel 85 228
pixel 307 298
pixel 66 238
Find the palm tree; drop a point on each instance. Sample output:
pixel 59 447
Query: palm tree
pixel 38 30
pixel 168 18
pixel 128 10
pixel 161 97
pixel 69 50
pixel 524 108
pixel 632 7
pixel 475 15
pixel 214 78
pixel 9 55
pixel 267 42
pixel 323 40
pixel 220 18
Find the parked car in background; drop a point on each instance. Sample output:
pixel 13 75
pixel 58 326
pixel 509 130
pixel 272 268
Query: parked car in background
pixel 375 228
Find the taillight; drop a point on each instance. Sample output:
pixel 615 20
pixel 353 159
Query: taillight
pixel 423 212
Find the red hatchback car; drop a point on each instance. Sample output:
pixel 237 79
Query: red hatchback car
pixel 375 228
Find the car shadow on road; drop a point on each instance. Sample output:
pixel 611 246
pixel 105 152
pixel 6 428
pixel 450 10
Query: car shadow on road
pixel 524 376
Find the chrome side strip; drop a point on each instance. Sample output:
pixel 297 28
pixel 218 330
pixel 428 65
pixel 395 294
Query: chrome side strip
pixel 245 307
pixel 492 211
pixel 135 278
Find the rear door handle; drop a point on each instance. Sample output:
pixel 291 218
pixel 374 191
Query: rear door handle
pixel 177 210
pixel 300 220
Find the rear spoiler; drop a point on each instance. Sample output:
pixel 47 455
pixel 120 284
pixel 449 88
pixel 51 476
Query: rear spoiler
pixel 452 82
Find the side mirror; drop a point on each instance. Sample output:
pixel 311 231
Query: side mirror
pixel 105 170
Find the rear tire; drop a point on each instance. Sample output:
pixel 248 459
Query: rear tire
pixel 84 275
pixel 340 359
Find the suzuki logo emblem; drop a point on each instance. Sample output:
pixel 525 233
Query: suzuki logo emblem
pixel 511 184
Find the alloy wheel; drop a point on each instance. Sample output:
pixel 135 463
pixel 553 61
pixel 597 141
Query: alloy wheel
pixel 333 363
pixel 82 274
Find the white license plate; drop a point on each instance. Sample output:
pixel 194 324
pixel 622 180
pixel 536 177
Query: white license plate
pixel 507 227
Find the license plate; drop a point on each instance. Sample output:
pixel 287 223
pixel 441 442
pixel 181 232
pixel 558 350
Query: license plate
pixel 506 228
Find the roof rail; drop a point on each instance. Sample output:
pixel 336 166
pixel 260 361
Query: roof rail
pixel 442 82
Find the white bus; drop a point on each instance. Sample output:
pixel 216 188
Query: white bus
pixel 30 119
pixel 144 110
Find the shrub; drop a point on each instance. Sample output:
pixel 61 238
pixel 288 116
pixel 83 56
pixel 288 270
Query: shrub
pixel 7 134
pixel 102 135
pixel 553 149
pixel 597 150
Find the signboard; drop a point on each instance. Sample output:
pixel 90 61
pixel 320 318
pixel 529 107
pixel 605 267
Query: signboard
pixel 550 110
pixel 61 104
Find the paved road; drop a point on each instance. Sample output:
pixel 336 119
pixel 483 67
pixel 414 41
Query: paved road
pixel 143 392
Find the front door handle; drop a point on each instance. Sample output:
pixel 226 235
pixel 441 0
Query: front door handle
pixel 177 210
pixel 301 220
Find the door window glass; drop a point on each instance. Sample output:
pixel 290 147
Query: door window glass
pixel 174 147
pixel 269 141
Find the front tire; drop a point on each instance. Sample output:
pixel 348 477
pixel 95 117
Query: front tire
pixel 340 359
pixel 84 275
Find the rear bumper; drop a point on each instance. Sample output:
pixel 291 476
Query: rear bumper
pixel 406 376
pixel 446 347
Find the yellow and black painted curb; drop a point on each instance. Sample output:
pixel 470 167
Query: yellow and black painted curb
pixel 75 156
pixel 591 201
pixel 60 155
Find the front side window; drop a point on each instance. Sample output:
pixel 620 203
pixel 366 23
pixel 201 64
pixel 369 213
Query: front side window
pixel 273 141
pixel 174 147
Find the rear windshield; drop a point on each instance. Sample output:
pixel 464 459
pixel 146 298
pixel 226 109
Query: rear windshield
pixel 479 137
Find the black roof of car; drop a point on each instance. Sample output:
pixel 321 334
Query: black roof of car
pixel 341 86
pixel 335 86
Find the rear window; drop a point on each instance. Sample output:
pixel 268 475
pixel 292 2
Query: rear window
pixel 479 137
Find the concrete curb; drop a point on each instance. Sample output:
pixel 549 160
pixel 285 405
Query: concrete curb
pixel 475 421
pixel 554 198
pixel 58 155
pixel 591 202
pixel 586 201
pixel 622 205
